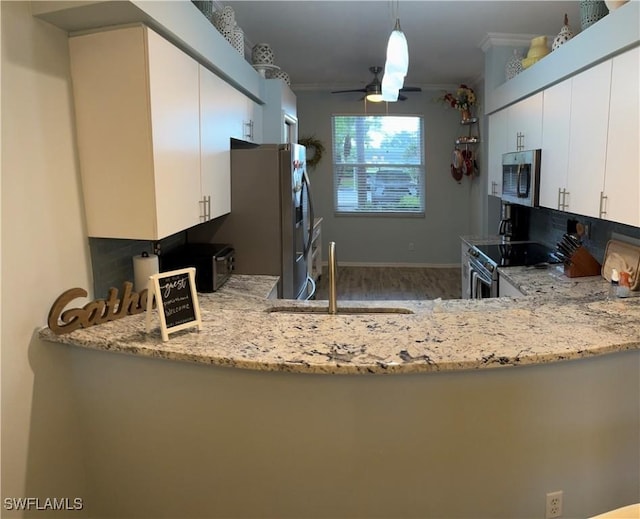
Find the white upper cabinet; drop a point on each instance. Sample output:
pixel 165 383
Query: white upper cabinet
pixel 215 116
pixel 154 134
pixel 524 124
pixel 497 146
pixel 554 166
pixel 225 113
pixel 622 167
pixel 244 116
pixel 137 112
pixel 588 139
pixel 574 143
pixel 517 127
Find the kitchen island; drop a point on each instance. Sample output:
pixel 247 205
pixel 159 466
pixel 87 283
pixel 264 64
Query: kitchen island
pixel 245 329
pixel 169 430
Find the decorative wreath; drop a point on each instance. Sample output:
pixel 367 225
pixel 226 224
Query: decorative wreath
pixel 316 150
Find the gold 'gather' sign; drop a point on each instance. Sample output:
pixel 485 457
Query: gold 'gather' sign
pixel 95 312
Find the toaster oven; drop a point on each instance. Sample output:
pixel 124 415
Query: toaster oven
pixel 213 263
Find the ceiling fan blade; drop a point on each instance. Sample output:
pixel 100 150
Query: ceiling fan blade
pixel 411 89
pixel 346 91
pixel 402 98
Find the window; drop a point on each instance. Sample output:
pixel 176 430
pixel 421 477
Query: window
pixel 378 164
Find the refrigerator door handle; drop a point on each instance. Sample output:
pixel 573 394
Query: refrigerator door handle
pixel 312 292
pixel 307 183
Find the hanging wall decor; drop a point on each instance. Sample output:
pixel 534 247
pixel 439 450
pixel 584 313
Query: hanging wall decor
pixel 462 100
pixel 315 149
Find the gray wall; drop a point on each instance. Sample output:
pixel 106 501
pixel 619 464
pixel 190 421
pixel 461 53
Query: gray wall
pixel 449 205
pixel 170 440
pixel 44 253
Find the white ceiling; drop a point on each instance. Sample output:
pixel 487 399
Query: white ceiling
pixel 331 44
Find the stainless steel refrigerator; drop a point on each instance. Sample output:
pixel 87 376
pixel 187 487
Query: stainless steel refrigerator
pixel 271 220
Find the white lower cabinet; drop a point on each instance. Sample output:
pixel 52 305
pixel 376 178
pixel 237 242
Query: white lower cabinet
pixel 507 289
pixel 621 192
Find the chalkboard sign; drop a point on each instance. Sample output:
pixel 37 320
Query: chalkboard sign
pixel 176 299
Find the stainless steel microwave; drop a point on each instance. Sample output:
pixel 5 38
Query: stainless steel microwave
pixel 521 177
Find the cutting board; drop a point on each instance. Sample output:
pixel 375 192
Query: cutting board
pixel 623 257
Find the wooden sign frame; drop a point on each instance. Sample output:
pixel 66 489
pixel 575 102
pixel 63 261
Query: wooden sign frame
pixel 176 299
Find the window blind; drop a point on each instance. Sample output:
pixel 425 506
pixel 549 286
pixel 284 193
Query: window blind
pixel 378 164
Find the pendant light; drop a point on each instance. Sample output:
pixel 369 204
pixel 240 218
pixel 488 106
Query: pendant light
pixel 397 63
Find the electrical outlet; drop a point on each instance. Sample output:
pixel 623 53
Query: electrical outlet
pixel 554 505
pixel 411 247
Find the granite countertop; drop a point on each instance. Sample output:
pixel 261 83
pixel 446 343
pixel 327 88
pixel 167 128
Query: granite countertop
pixel 558 319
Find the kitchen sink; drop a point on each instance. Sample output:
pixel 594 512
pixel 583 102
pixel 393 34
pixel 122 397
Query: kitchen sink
pixel 344 310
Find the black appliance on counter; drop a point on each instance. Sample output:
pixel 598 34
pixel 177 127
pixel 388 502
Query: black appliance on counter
pixel 482 262
pixel 213 263
pixel 514 223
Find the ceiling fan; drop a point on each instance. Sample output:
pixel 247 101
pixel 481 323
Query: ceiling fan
pixel 375 87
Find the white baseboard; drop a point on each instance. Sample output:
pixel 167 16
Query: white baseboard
pixel 402 265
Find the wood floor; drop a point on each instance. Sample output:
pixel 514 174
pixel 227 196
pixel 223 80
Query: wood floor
pixel 392 283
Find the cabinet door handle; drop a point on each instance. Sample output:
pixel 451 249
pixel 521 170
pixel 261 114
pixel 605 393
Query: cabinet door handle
pixel 248 133
pixel 559 199
pixel 603 204
pixel 206 208
pixel 203 209
pixel 562 199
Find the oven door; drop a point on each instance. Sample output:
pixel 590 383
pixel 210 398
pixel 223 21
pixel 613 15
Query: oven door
pixel 482 285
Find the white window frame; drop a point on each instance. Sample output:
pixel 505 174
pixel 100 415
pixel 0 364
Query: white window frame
pixel 360 198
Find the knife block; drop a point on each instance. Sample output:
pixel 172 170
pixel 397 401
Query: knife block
pixel 582 264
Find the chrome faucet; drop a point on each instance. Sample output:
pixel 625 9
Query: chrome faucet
pixel 333 270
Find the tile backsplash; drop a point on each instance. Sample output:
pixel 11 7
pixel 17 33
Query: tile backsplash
pixel 547 226
pixel 112 259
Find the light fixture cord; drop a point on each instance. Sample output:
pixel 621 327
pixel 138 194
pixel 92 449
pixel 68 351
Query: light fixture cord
pixel 395 13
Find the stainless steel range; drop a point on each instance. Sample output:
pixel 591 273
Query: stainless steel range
pixel 482 261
